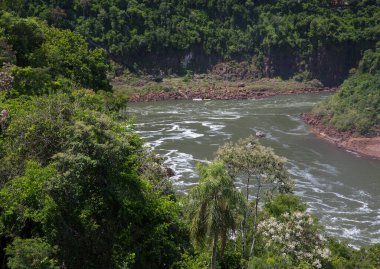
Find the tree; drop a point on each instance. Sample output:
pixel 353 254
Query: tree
pixel 68 54
pixel 50 54
pixel 297 236
pixel 37 126
pixel 31 81
pixel 25 36
pixel 248 160
pixel 75 177
pixel 213 206
pixel 33 253
pixel 7 54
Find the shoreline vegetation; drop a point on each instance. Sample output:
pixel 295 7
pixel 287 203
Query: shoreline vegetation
pixel 350 118
pixel 209 87
pixel 202 87
pixel 364 145
pixel 206 87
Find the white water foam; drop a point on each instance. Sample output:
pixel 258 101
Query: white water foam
pixel 347 210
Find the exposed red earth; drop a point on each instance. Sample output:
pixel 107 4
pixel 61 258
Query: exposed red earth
pixel 368 146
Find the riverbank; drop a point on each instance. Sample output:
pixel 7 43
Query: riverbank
pixel 219 94
pixel 367 146
pixel 208 87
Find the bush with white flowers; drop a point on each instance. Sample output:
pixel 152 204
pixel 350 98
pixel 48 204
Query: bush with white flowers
pixel 295 235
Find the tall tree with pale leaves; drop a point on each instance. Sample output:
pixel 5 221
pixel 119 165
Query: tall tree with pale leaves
pixel 261 169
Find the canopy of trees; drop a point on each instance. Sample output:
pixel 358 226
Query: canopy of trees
pixel 47 59
pixel 356 106
pixel 284 37
pixel 70 180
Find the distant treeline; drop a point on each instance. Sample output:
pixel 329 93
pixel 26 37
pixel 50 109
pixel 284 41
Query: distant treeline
pixel 308 39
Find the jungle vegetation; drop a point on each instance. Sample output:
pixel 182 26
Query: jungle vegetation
pixel 355 107
pixel 77 187
pixel 287 38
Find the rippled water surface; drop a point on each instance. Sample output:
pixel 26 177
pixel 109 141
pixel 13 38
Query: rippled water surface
pixel 342 188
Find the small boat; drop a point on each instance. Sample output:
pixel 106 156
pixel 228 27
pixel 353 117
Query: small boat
pixel 260 134
pixel 200 99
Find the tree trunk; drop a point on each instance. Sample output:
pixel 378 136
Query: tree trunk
pixel 244 232
pixel 254 228
pixel 223 244
pixel 213 257
pixel 255 221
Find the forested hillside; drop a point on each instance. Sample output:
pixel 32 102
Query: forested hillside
pixel 356 106
pixel 307 39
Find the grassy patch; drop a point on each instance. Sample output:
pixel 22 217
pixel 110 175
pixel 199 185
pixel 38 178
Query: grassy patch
pixel 131 84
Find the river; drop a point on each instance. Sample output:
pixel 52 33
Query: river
pixel 340 187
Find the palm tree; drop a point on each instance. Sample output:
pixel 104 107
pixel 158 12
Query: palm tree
pixel 213 206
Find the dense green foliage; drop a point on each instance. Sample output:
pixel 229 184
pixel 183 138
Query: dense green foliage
pixel 285 37
pixel 214 205
pixel 340 254
pixel 79 190
pixel 31 253
pixel 49 60
pixel 70 174
pixel 356 106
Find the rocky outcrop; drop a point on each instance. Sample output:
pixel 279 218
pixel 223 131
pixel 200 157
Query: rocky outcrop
pixel 234 71
pixel 328 64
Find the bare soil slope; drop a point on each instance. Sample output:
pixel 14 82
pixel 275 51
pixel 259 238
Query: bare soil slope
pixel 368 146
